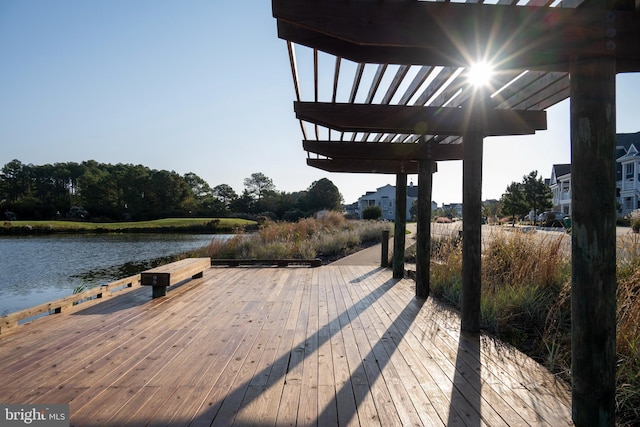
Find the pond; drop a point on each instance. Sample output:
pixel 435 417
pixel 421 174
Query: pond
pixel 39 269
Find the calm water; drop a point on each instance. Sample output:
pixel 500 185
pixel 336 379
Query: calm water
pixel 38 269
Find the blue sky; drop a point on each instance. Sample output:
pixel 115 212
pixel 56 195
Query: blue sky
pixel 203 87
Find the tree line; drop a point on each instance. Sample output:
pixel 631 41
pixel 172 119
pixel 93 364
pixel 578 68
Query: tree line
pixel 124 192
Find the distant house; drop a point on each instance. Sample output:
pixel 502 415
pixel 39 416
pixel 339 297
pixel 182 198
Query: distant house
pixel 560 184
pixel 385 199
pixel 453 209
pixel 351 210
pixel 627 177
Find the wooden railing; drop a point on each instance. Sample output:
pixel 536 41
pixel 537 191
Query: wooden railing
pixel 314 262
pixel 12 320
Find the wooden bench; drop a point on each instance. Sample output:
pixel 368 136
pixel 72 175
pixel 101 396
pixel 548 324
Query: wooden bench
pixel 170 274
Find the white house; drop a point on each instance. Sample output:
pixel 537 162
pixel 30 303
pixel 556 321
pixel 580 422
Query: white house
pixel 629 181
pixel 385 199
pixel 627 177
pixel 560 184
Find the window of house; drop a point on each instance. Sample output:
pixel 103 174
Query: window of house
pixel 628 171
pixel 628 203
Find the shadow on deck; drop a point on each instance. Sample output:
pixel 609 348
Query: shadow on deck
pixel 335 345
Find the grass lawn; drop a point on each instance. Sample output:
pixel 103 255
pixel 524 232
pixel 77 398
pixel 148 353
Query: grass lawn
pixel 167 224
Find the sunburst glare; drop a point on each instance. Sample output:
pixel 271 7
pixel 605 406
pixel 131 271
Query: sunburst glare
pixel 480 74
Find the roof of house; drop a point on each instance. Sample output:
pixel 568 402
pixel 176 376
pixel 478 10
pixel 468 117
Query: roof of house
pixel 561 169
pixel 626 139
pixel 412 190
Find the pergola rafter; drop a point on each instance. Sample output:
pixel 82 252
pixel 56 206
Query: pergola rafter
pixel 455 34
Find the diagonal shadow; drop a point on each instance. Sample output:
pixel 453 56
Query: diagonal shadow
pixel 464 407
pixel 367 275
pixel 239 396
pixel 375 361
pixel 467 383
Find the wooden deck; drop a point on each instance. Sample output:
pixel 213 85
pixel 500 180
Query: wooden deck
pixel 276 346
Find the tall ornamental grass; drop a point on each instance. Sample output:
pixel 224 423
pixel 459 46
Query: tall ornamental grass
pixel 328 237
pixel 526 290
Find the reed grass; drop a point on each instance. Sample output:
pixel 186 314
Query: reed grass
pixel 526 302
pixel 329 237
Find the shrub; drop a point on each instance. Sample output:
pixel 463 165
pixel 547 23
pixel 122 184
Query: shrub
pixel 328 237
pixel 372 212
pixel 634 220
pixel 443 220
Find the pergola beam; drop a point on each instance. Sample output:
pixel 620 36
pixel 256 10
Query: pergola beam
pixel 412 119
pixel 384 150
pixel 520 37
pixel 365 166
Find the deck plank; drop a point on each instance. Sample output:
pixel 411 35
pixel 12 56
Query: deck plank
pixel 334 346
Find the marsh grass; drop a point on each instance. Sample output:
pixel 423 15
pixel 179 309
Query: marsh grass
pixel 526 302
pixel 329 237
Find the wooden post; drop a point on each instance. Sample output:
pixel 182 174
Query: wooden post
pixel 384 254
pixel 593 240
pixel 472 214
pixel 400 228
pixel 423 238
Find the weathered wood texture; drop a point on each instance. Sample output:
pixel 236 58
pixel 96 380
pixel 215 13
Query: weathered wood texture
pixel 265 346
pixel 593 239
pixel 384 252
pixel 423 238
pixel 472 217
pixel 400 226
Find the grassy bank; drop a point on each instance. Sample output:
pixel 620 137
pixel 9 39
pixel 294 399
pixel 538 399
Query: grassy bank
pixel 167 225
pixel 328 238
pixel 526 302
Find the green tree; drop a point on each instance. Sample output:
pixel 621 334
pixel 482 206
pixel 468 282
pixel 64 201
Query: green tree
pixel 258 184
pixel 225 194
pixel 95 189
pixel 243 204
pixel 490 208
pixel 513 202
pixel 134 186
pixel 15 180
pixel 323 194
pixel 203 200
pixel 537 194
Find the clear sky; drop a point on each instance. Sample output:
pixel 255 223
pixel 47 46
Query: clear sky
pixel 200 86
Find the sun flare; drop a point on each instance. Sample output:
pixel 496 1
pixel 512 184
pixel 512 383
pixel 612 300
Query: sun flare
pixel 480 74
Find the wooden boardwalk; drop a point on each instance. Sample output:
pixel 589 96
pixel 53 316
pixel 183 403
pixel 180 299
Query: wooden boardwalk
pixel 335 345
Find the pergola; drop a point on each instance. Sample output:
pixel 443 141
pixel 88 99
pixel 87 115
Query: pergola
pixel 409 104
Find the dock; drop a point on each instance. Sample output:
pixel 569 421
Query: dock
pixel 267 346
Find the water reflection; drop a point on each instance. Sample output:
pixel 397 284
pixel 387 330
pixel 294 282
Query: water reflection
pixel 38 269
